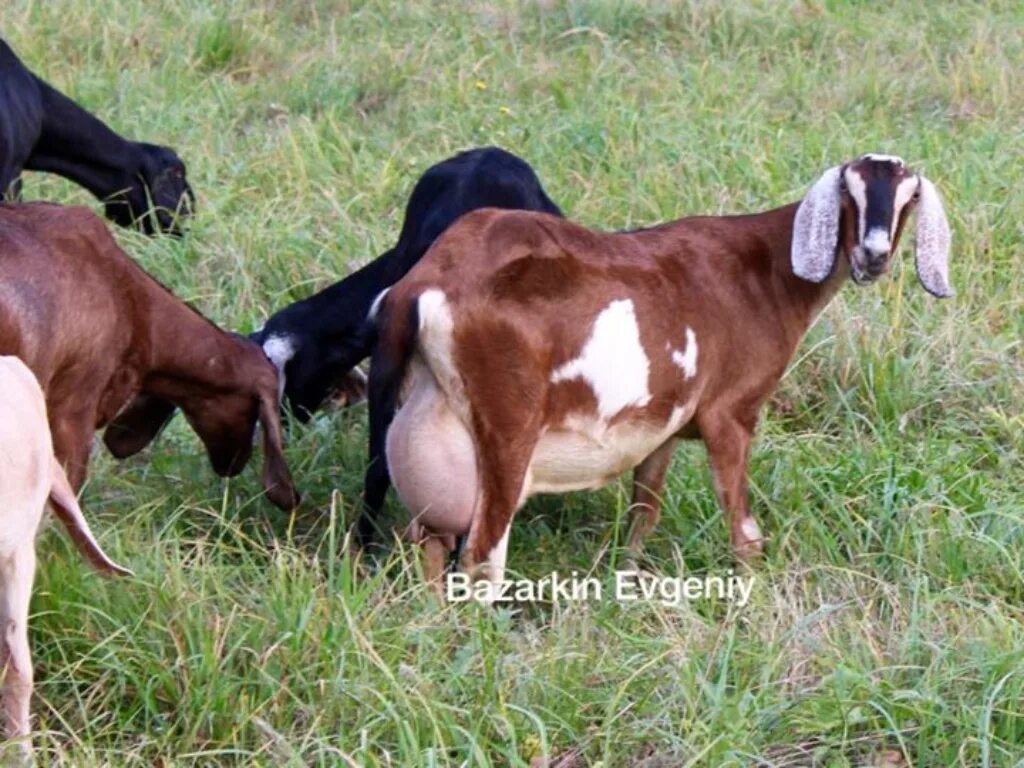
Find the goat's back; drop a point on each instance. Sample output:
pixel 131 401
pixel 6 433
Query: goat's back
pixel 21 115
pixel 67 298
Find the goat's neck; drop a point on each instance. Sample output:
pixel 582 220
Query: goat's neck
pixel 187 351
pixel 80 147
pixel 801 301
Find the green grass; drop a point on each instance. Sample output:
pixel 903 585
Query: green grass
pixel 886 620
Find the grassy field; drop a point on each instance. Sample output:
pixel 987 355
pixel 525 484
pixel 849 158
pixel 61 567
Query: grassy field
pixel 885 626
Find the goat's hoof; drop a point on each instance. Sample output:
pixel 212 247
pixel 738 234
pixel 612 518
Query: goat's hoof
pixel 750 552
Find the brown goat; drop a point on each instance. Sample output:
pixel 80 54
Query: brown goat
pixel 100 334
pixel 532 355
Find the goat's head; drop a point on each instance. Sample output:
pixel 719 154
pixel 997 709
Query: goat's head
pixel 224 417
pixel 159 197
pixel 860 209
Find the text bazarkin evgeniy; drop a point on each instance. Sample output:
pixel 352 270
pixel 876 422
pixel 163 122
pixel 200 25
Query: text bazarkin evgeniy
pixel 628 587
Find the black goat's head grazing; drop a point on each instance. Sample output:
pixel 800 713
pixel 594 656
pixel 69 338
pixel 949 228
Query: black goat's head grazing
pixel 158 198
pixel 859 209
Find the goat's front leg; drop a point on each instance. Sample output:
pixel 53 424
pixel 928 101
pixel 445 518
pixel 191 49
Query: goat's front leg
pixel 16 573
pixel 648 483
pixel 728 443
pixel 72 442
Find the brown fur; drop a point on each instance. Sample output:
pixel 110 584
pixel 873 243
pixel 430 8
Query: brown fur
pixel 100 334
pixel 524 289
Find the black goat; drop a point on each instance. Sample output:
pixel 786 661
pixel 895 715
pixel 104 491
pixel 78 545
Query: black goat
pixel 316 342
pixel 41 129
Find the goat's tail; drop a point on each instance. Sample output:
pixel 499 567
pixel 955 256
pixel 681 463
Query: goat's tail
pixel 394 327
pixel 65 506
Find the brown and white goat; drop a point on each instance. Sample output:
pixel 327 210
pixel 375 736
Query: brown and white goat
pixel 532 355
pixel 30 477
pixel 111 345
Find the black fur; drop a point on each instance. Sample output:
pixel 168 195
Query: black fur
pixel 41 129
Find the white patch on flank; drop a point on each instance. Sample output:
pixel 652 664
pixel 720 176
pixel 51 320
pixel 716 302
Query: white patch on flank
pixel 279 350
pixel 687 360
pixel 904 192
pixel 878 240
pixel 858 191
pixel 751 529
pixel 372 314
pixel 884 158
pixel 584 452
pixel 612 361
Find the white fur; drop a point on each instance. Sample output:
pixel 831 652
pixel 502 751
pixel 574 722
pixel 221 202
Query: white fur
pixel 751 529
pixel 437 328
pixel 496 559
pixel 612 362
pixel 29 477
pixel 883 158
pixel 904 192
pixel 375 306
pixel 933 240
pixel 859 192
pixel 279 350
pixel 816 229
pixel 687 360
pixel 584 452
pixel 878 241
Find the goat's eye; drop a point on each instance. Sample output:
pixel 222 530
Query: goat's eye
pixel 842 184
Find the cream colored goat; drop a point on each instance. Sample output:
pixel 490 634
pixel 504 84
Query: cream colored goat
pixel 29 477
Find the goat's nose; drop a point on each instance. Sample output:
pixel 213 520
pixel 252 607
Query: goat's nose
pixel 877 248
pixel 876 257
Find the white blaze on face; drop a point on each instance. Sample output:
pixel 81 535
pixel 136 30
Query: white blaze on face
pixel 687 358
pixel 612 362
pixel 858 191
pixel 904 192
pixel 878 240
pixel 884 158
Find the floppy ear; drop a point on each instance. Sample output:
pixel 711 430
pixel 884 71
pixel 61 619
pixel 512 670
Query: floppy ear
pixel 816 229
pixel 137 425
pixel 932 247
pixel 277 480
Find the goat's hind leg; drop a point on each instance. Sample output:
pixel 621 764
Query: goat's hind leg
pixel 503 473
pixel 382 402
pixel 17 570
